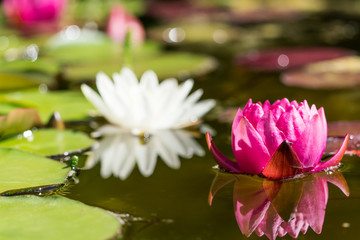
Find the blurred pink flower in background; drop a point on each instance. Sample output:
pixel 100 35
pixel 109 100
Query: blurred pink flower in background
pixel 276 208
pixel 34 16
pixel 120 22
pixel 278 140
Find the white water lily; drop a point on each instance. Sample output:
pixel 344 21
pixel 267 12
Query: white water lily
pixel 119 151
pixel 146 105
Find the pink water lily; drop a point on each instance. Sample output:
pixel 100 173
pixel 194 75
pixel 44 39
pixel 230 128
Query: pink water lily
pixel 277 208
pixel 278 140
pixel 121 22
pixel 34 16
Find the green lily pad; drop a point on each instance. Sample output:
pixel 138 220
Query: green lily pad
pixel 32 217
pixel 90 45
pixel 46 66
pixel 23 170
pixel 165 65
pixel 49 142
pixel 188 32
pixel 71 105
pixel 11 81
pixel 18 120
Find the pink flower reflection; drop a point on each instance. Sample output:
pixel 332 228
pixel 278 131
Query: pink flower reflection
pixel 121 22
pixel 277 208
pixel 34 16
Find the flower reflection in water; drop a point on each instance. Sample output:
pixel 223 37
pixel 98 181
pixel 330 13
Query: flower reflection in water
pixel 277 208
pixel 119 151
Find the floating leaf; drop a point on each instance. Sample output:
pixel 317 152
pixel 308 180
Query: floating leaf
pixel 337 73
pixel 18 120
pixel 189 33
pixel 165 65
pixel 49 142
pixel 32 217
pixel 280 59
pixel 46 66
pixel 11 81
pixel 75 107
pixel 340 129
pixel 336 132
pixel 21 170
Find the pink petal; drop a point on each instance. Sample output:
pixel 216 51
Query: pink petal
pixel 295 103
pixel 294 227
pixel 266 106
pixel 335 160
pixel 310 146
pixel 304 111
pixel 223 161
pixel 255 114
pixel 313 202
pixel 236 121
pixel 277 111
pixel 247 107
pixel 270 134
pixel 249 150
pixel 291 124
pixel 271 223
pixel 250 204
pixel 285 102
pixel 337 179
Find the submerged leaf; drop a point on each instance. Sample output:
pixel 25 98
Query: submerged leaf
pixel 23 170
pixel 60 218
pixel 49 142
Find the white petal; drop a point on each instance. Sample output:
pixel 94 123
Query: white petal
pixel 146 159
pixel 106 89
pixel 96 100
pixel 128 77
pixel 149 81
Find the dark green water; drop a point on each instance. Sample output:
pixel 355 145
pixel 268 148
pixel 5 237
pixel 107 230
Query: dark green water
pixel 172 203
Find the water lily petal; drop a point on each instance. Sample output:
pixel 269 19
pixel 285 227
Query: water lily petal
pixel 96 100
pixel 304 111
pixel 269 132
pixel 223 161
pixel 313 203
pixel 149 81
pixel 249 149
pixel 336 178
pixel 309 147
pixel 106 89
pixel 335 160
pixel 271 223
pixel 235 124
pixel 247 107
pixel 146 159
pixel 255 114
pixel 291 124
pixel 250 205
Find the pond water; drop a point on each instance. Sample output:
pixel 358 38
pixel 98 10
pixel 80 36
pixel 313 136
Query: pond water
pixel 171 202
